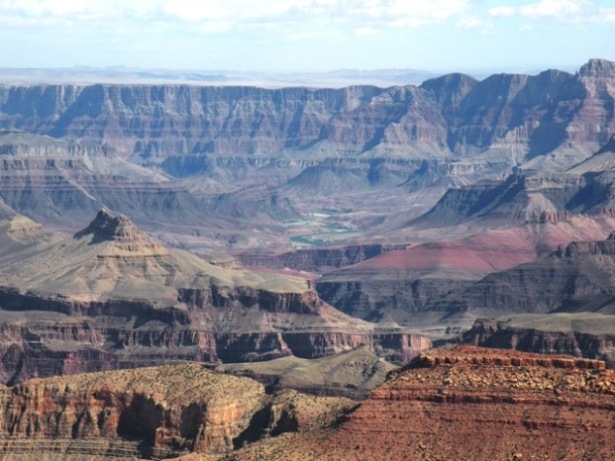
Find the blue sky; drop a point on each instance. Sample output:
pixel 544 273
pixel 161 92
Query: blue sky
pixel 306 35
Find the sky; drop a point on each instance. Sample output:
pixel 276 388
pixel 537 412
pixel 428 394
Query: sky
pixel 306 35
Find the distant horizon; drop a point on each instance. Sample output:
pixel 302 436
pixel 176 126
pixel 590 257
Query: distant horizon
pixel 443 71
pixel 306 36
pixel 335 78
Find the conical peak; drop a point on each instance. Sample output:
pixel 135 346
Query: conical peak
pixel 120 238
pixel 108 227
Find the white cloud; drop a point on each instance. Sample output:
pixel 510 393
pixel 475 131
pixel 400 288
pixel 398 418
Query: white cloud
pixel 351 15
pixel 365 31
pixel 195 10
pixel 606 14
pixel 553 8
pixel 575 10
pixel 472 22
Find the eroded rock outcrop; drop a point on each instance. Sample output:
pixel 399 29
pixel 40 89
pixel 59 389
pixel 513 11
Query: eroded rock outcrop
pixel 577 277
pixel 454 113
pixel 155 412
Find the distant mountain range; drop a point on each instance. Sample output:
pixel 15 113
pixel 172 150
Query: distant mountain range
pixel 335 78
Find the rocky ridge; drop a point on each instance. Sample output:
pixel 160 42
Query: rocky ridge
pixel 580 334
pixel 526 115
pixel 574 278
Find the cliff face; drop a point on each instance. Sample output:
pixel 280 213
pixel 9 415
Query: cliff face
pixel 596 344
pixel 317 260
pixel 531 115
pixel 156 413
pixel 200 165
pixel 139 404
pixel 472 403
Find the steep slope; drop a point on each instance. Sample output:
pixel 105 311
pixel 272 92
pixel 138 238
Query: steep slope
pixel 602 160
pixel 63 183
pixel 414 284
pixel 526 116
pixel 111 297
pixel 470 403
pixel 521 198
pixel 403 283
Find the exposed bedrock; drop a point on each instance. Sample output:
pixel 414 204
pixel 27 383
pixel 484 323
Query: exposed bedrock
pixel 501 335
pixel 48 337
pixel 317 260
pixel 577 277
pixel 111 296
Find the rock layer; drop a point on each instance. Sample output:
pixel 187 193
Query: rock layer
pixel 580 335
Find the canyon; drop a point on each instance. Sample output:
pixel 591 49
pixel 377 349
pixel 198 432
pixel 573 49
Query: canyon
pixel 399 206
pixel 242 273
pixel 199 165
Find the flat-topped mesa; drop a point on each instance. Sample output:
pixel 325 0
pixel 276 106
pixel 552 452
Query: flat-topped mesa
pixel 501 358
pixel 479 404
pixel 473 373
pixel 126 240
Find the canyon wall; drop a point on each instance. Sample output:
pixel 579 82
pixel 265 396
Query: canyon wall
pixel 526 115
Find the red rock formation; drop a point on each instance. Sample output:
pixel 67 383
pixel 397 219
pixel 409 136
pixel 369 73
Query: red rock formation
pixel 475 404
pixel 156 413
pixel 167 409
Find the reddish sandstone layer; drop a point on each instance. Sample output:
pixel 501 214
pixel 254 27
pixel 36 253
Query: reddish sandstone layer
pixel 476 404
pixel 152 413
pixel 166 410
